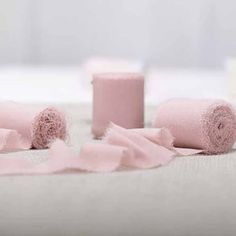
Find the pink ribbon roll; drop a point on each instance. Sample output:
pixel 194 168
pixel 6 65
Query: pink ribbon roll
pixel 117 98
pixel 208 125
pixel 30 126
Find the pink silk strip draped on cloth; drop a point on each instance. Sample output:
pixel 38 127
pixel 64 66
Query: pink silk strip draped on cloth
pixel 120 148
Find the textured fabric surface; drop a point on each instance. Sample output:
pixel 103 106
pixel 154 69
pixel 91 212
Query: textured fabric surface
pixel 191 196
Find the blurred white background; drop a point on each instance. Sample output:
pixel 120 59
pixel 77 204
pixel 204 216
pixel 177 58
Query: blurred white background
pixel 43 44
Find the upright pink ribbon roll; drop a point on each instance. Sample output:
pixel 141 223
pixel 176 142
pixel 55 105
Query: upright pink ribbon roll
pixel 118 98
pixel 209 125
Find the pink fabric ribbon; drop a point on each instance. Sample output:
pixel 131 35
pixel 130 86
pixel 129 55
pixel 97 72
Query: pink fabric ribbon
pixel 206 124
pixel 31 126
pixel 138 148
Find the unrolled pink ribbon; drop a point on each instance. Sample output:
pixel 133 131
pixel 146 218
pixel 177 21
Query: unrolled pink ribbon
pixel 120 147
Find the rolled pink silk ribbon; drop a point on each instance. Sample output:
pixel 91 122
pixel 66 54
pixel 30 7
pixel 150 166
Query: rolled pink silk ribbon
pixel 33 126
pixel 207 125
pixel 117 98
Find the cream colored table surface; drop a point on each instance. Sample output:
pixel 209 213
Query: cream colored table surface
pixel 191 196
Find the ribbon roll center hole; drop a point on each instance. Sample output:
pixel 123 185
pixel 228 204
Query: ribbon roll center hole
pixel 220 126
